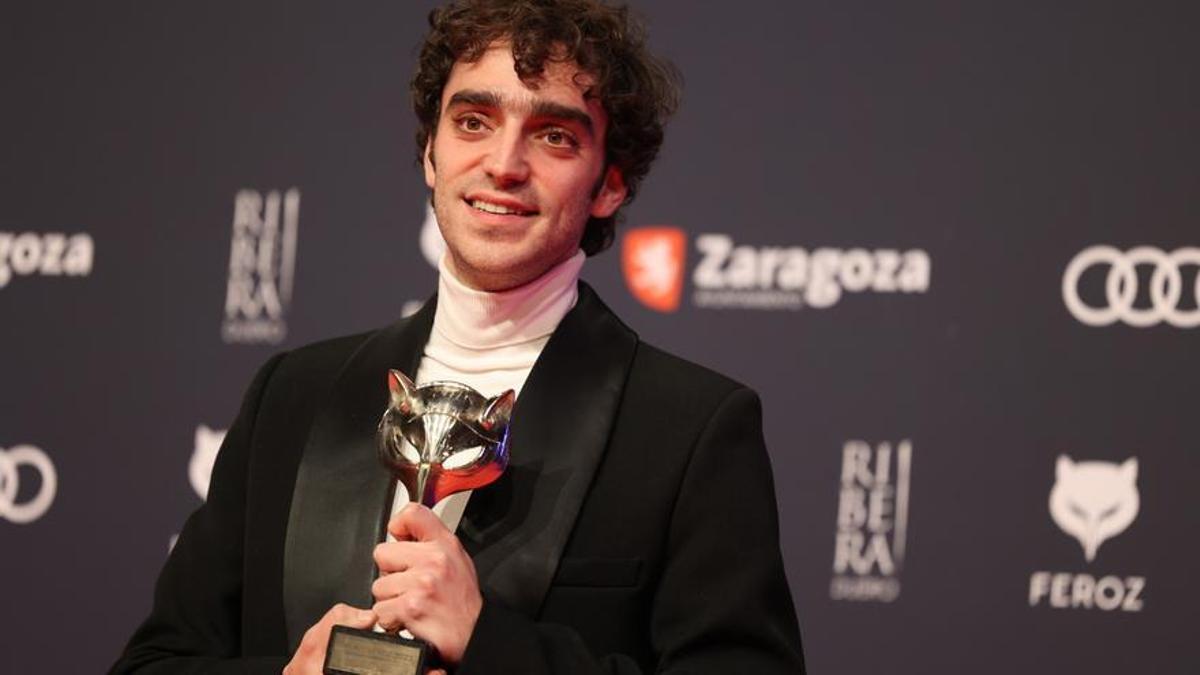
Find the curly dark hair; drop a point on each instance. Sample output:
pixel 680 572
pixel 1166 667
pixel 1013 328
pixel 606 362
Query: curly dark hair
pixel 638 91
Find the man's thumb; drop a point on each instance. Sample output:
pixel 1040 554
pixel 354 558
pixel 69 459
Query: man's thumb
pixel 415 522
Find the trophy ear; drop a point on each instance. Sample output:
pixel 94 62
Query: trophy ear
pixel 403 391
pixel 498 411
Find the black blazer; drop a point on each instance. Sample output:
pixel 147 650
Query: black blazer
pixel 634 531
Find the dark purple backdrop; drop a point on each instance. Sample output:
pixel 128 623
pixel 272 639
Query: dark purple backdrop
pixel 939 163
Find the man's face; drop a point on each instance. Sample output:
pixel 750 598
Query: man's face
pixel 514 169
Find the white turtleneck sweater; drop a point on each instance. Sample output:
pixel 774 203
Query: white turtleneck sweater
pixel 490 341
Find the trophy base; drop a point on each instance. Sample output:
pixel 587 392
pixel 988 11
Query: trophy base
pixel 362 652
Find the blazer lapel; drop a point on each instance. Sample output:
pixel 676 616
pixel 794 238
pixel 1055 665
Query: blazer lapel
pixel 340 499
pixel 517 528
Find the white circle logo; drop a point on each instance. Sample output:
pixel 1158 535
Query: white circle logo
pixel 10 462
pixel 1121 287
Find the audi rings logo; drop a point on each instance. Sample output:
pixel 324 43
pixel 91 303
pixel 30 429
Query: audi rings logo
pixel 1121 287
pixel 10 465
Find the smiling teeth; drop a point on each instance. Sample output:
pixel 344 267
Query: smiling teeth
pixel 495 208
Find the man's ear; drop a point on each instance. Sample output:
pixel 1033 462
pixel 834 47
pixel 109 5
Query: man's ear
pixel 611 195
pixel 430 169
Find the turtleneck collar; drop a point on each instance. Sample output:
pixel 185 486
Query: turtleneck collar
pixel 475 319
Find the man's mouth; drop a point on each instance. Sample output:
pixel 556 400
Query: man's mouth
pixel 499 209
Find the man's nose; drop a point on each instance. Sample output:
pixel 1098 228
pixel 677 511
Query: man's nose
pixel 506 162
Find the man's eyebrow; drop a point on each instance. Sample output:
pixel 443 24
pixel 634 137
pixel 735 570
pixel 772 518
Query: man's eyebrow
pixel 564 112
pixel 541 109
pixel 484 99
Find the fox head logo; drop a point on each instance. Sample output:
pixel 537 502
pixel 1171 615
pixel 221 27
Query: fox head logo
pixel 1094 501
pixel 208 442
pixel 653 261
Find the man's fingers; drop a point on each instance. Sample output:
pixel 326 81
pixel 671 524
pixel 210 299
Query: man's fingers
pixel 344 615
pixel 340 615
pixel 397 556
pixel 363 618
pixel 422 583
pixel 416 523
pixel 310 654
pixel 435 593
pixel 403 611
pixel 401 556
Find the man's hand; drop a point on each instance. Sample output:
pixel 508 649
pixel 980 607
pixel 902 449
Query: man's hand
pixel 427 583
pixel 310 655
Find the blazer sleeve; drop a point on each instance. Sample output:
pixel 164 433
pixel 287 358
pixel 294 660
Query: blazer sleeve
pixel 195 623
pixel 722 604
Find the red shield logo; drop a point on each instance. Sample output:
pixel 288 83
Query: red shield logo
pixel 653 259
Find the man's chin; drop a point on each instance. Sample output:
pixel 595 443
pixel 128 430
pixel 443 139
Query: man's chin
pixel 493 271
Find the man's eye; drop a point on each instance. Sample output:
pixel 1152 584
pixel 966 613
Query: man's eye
pixel 470 124
pixel 560 139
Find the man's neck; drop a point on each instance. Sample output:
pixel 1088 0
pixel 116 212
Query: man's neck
pixel 479 320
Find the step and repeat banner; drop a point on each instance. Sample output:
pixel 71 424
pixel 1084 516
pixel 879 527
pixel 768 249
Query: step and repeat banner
pixel 953 245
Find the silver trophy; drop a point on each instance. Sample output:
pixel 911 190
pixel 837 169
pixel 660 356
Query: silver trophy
pixel 437 439
pixel 443 437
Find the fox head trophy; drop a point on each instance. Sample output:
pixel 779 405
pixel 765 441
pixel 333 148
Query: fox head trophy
pixel 443 437
pixel 1093 501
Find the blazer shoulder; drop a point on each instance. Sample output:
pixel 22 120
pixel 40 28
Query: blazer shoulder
pixel 317 364
pixel 661 361
pixel 340 347
pixel 324 357
pixel 669 382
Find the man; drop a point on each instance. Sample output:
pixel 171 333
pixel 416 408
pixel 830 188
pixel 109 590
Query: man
pixel 635 530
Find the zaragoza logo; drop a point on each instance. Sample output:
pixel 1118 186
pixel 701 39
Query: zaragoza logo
pixel 53 254
pixel 653 259
pixel 767 278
